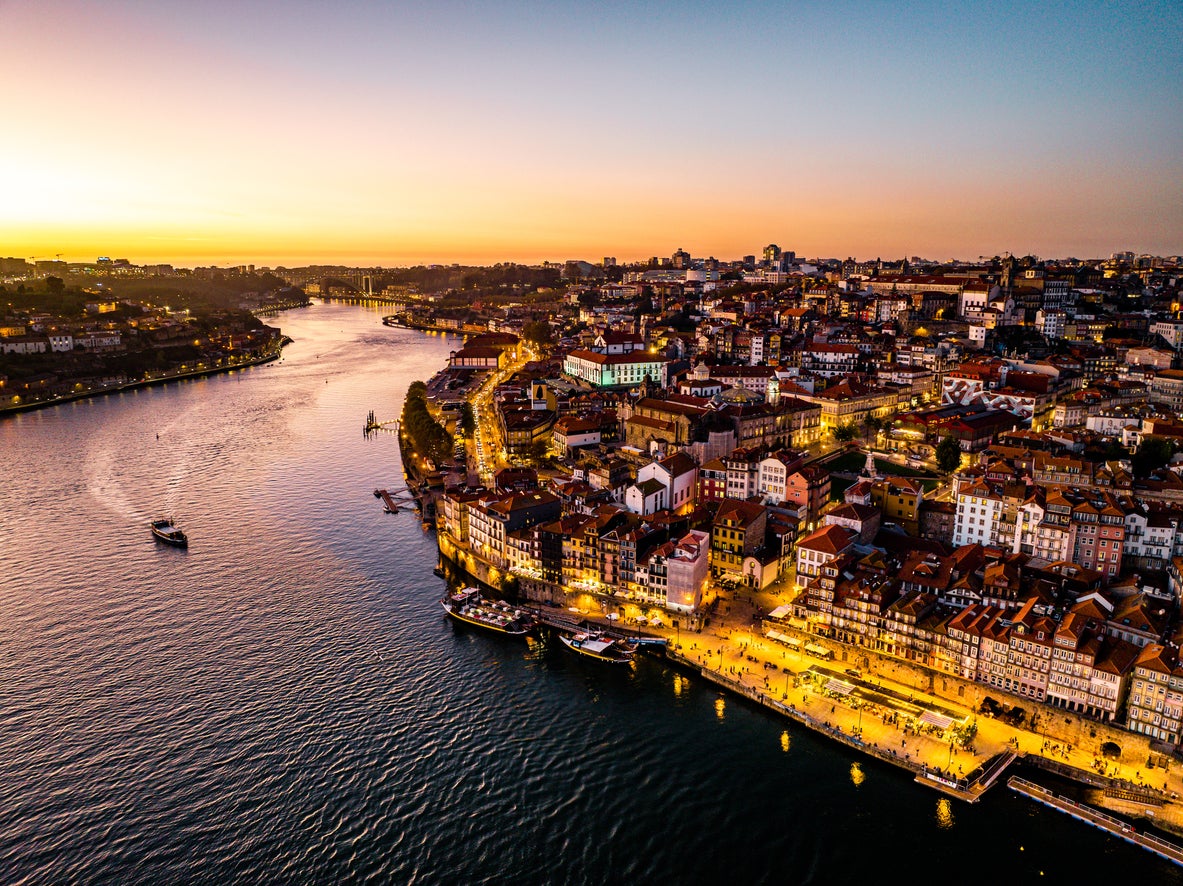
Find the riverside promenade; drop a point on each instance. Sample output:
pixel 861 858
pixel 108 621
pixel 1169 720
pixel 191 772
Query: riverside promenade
pixel 152 381
pixel 962 773
pixel 874 717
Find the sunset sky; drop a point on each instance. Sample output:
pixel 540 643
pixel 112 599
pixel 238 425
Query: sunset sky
pixel 394 133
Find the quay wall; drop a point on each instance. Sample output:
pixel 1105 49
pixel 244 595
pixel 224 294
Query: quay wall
pixel 1052 723
pixel 791 712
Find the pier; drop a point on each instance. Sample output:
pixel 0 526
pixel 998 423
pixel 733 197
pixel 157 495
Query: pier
pixel 396 500
pixel 568 622
pixel 372 424
pixel 1114 826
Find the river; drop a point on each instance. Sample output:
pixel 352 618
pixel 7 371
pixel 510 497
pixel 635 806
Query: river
pixel 285 702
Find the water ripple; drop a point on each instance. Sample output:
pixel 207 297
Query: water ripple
pixel 285 702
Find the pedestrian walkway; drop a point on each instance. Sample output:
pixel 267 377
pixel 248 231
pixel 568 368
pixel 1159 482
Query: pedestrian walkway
pixel 1098 819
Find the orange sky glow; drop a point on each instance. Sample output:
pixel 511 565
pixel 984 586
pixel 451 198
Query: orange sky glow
pixel 371 135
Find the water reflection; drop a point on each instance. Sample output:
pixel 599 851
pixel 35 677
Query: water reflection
pixel 720 704
pixel 944 814
pixel 785 742
pixel 857 776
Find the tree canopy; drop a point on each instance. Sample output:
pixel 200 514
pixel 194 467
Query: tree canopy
pixel 427 435
pixel 1154 453
pixel 948 454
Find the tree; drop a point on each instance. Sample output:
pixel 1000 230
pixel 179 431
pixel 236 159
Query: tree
pixel 537 332
pixel 1154 453
pixel 538 451
pixel 55 285
pixel 467 419
pixel 872 425
pixel 948 454
pixel 845 433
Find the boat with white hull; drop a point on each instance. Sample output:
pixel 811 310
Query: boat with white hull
pixel 600 647
pixel 468 606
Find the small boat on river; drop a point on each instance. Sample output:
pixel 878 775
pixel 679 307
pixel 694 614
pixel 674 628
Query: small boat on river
pixel 467 605
pixel 598 646
pixel 166 531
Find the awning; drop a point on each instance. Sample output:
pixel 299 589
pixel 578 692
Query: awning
pixel 940 721
pixel 783 638
pixel 839 687
pixel 780 612
pixel 819 651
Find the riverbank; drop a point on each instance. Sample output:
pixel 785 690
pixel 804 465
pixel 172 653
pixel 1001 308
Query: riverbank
pixel 146 382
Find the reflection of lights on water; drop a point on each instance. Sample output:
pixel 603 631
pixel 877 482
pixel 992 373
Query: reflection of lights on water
pixel 944 814
pixel 856 774
pixel 678 683
pixel 719 705
pixel 784 741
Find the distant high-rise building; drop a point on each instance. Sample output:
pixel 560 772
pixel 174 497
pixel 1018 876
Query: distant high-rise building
pixel 609 261
pixel 681 259
pixel 14 266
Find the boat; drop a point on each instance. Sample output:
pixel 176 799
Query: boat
pixel 595 645
pixel 467 605
pixel 166 531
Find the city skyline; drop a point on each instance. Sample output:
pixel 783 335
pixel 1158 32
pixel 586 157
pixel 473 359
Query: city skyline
pixel 474 133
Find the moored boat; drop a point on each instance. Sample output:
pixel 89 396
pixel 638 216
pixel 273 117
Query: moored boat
pixel 166 531
pixel 467 605
pixel 603 648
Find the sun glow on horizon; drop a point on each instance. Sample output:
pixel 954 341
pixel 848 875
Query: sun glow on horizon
pixel 373 134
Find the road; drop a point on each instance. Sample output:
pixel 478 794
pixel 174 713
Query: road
pixel 485 449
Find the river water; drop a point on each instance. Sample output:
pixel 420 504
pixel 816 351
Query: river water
pixel 285 701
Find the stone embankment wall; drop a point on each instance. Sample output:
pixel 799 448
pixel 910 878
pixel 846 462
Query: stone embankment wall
pixel 1053 723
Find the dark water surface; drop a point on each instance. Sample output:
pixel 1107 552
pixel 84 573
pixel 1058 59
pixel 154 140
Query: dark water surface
pixel 285 702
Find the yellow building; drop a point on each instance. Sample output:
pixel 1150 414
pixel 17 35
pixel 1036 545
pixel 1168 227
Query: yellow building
pixel 899 498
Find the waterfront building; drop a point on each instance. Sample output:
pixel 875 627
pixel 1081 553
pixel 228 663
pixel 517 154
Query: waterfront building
pixel 737 533
pixel 1089 672
pixel 1030 654
pixel 1156 694
pixel 492 518
pixel 820 547
pixel 676 572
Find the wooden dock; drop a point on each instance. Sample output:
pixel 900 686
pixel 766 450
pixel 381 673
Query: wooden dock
pixel 1089 815
pixel 568 622
pixel 396 500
